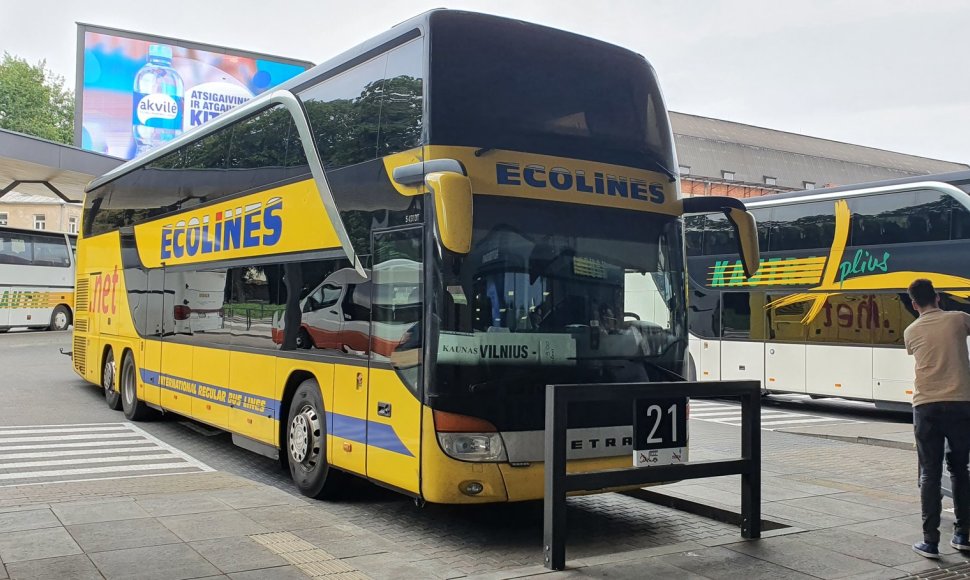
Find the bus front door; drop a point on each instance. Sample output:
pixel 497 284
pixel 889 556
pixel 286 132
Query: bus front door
pixel 394 398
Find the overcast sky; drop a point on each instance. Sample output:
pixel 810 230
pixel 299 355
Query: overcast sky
pixel 893 75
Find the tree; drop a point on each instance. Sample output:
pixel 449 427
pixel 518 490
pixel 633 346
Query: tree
pixel 33 100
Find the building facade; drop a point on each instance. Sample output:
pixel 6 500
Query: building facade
pixel 39 212
pixel 718 157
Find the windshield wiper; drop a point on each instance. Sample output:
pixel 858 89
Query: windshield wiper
pixel 667 171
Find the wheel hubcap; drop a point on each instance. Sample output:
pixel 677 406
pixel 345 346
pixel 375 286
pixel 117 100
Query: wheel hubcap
pixel 109 374
pixel 60 320
pixel 305 435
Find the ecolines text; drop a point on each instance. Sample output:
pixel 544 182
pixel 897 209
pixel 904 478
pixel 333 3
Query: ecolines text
pixel 252 226
pixel 563 179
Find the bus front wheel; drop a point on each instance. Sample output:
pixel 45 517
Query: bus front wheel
pixel 134 409
pixel 305 445
pixel 60 318
pixel 109 380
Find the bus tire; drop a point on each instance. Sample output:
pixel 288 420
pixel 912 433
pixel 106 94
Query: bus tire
pixel 134 409
pixel 305 445
pixel 109 381
pixel 303 340
pixel 60 318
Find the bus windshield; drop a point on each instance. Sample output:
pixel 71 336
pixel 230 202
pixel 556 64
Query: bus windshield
pixel 531 88
pixel 552 292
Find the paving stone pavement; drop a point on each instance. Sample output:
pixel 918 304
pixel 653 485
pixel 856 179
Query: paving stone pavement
pixel 851 511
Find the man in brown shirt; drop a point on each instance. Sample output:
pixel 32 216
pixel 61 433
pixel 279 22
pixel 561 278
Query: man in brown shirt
pixel 941 412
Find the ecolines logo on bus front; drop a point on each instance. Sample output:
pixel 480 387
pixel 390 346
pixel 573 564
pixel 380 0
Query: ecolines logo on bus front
pixel 563 179
pixel 256 224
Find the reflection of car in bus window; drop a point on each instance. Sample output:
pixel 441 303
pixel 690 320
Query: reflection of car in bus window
pixel 337 313
pixel 330 316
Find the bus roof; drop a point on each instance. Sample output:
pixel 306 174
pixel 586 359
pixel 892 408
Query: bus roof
pixel 956 178
pixel 398 34
pixel 36 232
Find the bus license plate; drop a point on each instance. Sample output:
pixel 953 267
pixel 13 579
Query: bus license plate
pixel 660 431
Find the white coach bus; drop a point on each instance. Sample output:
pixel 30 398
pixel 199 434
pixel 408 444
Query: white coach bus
pixel 36 279
pixel 825 314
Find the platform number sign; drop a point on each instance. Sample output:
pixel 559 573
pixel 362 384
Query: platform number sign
pixel 659 432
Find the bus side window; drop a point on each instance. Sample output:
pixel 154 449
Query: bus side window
pixel 401 110
pixel 705 314
pixel 50 252
pixel 349 99
pixel 258 299
pixel 16 249
pixel 959 221
pixel 694 234
pixel 737 315
pixel 900 218
pixel 719 237
pixel 802 226
pixel 762 217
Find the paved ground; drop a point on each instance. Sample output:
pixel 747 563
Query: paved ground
pixel 850 509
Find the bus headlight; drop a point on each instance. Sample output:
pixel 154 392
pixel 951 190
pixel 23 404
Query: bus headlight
pixel 473 446
pixel 468 438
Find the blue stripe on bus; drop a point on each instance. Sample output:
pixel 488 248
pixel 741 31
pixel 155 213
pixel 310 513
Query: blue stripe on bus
pixel 219 395
pixel 354 429
pixel 367 432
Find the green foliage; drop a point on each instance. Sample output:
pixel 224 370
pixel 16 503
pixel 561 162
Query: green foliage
pixel 346 130
pixel 33 100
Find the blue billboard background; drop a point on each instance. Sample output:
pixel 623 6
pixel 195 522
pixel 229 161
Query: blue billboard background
pixel 137 94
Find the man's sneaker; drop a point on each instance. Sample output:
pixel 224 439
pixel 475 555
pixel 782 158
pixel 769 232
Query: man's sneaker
pixel 927 550
pixel 960 542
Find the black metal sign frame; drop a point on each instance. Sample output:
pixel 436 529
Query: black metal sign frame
pixel 558 483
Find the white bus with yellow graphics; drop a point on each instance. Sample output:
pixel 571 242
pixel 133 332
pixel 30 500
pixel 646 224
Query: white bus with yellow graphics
pixel 826 313
pixel 407 243
pixel 36 279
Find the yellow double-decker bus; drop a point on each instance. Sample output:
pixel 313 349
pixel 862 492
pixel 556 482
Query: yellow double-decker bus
pixel 377 268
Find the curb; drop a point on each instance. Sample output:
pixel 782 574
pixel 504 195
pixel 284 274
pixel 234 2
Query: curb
pixel 857 439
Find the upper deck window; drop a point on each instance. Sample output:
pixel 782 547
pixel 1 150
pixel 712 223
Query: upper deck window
pixel 529 88
pixel 252 154
pixel 372 110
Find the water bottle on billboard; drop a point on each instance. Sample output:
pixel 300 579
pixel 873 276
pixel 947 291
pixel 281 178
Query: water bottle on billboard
pixel 158 107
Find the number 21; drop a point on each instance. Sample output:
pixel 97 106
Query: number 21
pixel 656 410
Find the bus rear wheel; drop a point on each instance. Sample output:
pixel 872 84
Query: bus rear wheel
pixel 60 318
pixel 305 445
pixel 134 409
pixel 109 380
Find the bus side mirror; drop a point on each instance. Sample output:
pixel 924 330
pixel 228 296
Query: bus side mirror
pixel 745 227
pixel 452 194
pixel 746 230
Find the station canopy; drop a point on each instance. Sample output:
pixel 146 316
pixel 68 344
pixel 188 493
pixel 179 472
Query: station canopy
pixel 36 166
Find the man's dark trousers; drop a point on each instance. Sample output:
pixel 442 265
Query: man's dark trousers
pixel 934 423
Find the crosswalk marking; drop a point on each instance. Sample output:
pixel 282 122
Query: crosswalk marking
pixel 771 419
pixel 95 436
pixel 69 445
pixel 38 430
pixel 70 452
pixel 54 462
pixel 89 470
pixel 40 454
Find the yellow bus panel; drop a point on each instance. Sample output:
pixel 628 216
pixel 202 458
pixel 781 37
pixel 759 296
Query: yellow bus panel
pixel 350 401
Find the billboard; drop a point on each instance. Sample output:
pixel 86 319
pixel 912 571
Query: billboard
pixel 136 91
